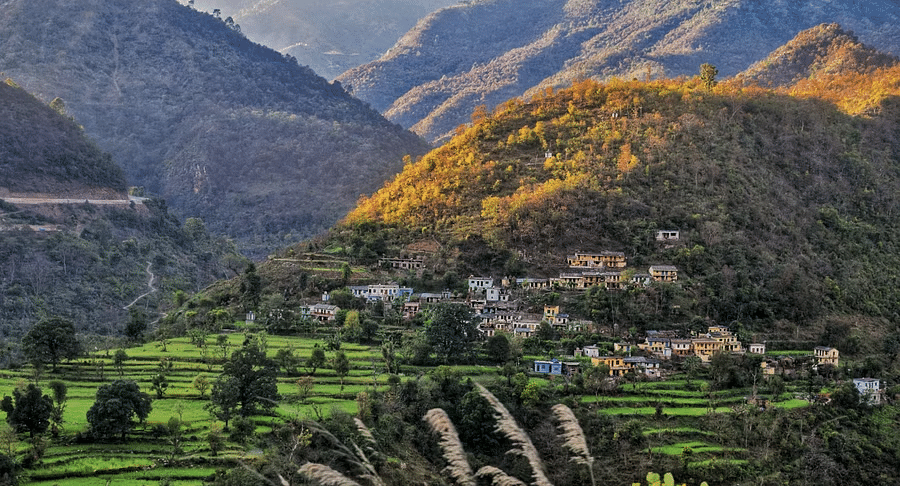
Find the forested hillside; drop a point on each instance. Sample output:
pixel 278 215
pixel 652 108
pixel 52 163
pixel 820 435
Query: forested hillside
pixel 224 129
pixel 488 52
pixel 786 204
pixel 86 262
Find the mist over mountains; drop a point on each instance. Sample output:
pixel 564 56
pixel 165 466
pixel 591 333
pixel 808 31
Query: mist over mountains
pixel 329 37
pixel 487 52
pixel 261 148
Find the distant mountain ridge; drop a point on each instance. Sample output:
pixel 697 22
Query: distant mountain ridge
pixel 329 37
pixel 487 52
pixel 821 50
pixel 223 128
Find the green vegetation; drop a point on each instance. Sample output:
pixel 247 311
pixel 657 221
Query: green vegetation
pixel 224 129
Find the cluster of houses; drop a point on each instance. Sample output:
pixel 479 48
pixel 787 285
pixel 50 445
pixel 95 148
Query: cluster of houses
pixel 497 311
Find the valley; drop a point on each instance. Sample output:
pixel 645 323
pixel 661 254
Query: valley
pixel 551 243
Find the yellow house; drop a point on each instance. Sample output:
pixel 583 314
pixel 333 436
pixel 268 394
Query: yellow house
pixel 705 348
pixel 616 364
pixel 825 355
pixel 664 273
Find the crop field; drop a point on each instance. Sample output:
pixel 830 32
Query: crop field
pixel 671 411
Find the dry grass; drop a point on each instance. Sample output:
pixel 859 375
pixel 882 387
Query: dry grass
pixel 458 466
pixel 573 438
pixel 324 475
pixel 498 477
pixel 523 446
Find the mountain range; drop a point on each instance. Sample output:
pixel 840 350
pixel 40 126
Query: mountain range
pixel 262 149
pixel 483 53
pixel 329 37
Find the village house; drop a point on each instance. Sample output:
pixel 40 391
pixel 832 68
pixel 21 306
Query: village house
pixel 414 262
pixel 382 292
pixel 668 235
pixel 480 283
pixel 616 364
pixel 646 366
pixel 664 273
pixel 554 317
pixel 825 355
pixel 556 367
pixel 604 259
pixel 320 312
pixel 682 347
pixel 869 389
pixel 533 283
pixel 591 351
pixel 757 348
pixel 411 308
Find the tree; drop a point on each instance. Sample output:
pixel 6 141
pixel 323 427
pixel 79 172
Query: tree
pixel 115 409
pixel 341 366
pixel 497 348
pixel 60 395
pixel 28 410
pixel 253 375
pixel 50 341
pixel 119 361
pixel 137 324
pixel 691 366
pixel 316 360
pixel 708 74
pixel 451 330
pixel 201 384
pixel 224 400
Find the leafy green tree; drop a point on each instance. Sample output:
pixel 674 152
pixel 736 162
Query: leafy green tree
pixel 119 361
pixel 224 399
pixel 254 376
pixel 451 330
pixel 708 74
pixel 137 324
pixel 60 395
pixel 28 410
pixel 316 360
pixel 201 384
pixel 115 409
pixel 691 366
pixel 287 361
pixel 497 348
pixel 50 341
pixel 341 366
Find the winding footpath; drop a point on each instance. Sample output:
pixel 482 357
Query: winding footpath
pixel 149 285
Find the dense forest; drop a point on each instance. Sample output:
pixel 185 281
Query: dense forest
pixel 86 262
pixel 224 129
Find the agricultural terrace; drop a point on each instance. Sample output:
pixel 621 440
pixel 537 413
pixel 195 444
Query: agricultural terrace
pixel 677 417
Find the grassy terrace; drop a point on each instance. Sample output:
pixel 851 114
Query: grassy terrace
pixel 147 457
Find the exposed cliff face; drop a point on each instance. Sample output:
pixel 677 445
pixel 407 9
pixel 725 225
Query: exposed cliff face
pixel 487 52
pixel 225 129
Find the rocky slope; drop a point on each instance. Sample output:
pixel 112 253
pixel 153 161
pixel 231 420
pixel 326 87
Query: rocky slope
pixel 484 53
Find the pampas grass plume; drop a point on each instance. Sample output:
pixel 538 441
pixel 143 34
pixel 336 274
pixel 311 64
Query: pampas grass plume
pixel 498 477
pixel 573 437
pixel 324 475
pixel 458 466
pixel 507 426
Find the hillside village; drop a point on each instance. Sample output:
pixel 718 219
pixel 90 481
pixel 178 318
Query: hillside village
pixel 498 305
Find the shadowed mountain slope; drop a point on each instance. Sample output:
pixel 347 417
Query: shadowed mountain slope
pixel 89 263
pixel 224 129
